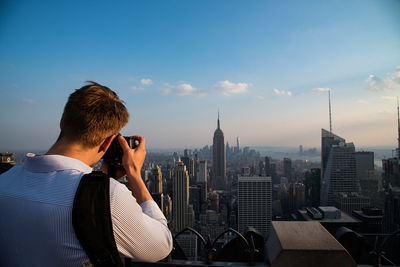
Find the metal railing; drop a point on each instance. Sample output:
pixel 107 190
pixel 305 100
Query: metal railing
pixel 379 249
pixel 211 257
pixel 209 248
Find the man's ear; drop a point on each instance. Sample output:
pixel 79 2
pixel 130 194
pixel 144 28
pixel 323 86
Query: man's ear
pixel 106 143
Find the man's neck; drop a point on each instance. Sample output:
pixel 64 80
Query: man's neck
pixel 89 156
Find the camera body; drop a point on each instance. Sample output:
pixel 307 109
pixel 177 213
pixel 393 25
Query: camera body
pixel 114 153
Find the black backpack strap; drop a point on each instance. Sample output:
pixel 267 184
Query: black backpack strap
pixel 91 219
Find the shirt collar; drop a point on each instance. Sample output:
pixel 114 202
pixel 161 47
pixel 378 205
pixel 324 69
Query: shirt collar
pixel 50 163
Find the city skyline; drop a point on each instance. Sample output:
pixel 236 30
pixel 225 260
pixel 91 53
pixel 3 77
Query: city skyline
pixel 266 66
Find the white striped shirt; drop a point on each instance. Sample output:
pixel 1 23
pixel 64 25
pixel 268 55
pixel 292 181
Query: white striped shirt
pixel 36 216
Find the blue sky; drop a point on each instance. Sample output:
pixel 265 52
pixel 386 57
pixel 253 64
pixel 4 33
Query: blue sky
pixel 266 65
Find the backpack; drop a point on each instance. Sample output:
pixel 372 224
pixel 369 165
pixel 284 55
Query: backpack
pixel 91 219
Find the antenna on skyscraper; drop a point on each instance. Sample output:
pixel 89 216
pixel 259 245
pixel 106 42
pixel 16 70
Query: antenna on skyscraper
pixel 398 130
pixel 218 120
pixel 330 111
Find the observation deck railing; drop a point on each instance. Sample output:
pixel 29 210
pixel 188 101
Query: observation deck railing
pixel 289 244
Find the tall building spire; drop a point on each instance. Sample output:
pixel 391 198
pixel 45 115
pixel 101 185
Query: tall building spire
pixel 218 121
pixel 330 111
pixel 398 130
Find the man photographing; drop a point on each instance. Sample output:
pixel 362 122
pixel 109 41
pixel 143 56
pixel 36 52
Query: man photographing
pixel 36 198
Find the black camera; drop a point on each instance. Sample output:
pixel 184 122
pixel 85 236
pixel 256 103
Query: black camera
pixel 114 153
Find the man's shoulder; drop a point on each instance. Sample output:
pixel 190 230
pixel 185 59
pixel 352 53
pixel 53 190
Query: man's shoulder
pixel 11 172
pixel 54 163
pixel 117 186
pixel 53 187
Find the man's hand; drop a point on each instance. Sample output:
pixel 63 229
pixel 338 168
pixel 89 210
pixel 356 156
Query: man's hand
pixel 132 161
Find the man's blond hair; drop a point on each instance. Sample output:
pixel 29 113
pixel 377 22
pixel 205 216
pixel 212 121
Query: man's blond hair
pixel 91 114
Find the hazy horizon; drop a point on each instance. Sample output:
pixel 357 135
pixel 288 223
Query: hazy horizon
pixel 380 152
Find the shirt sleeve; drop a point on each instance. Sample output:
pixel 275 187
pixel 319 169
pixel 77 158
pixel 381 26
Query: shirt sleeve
pixel 140 231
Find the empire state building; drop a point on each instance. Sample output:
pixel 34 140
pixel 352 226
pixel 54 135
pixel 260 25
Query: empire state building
pixel 219 159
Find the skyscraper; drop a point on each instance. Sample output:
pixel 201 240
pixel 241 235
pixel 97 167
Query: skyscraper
pixel 156 184
pixel 267 167
pixel 270 170
pixel 296 196
pixel 255 203
pixel 313 187
pixel 328 139
pixel 339 168
pixel 186 160
pixel 287 169
pixel 364 164
pixel 350 202
pixel 219 159
pixel 182 213
pixel 202 174
pixel 391 185
pixel 156 181
pixel 261 168
pixel 369 181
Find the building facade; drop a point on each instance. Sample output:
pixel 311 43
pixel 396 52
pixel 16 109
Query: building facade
pixel 254 203
pixel 391 185
pixel 183 214
pixel 350 202
pixel 287 169
pixel 202 177
pixel 364 164
pixel 328 139
pixel 156 181
pixel 339 168
pixel 296 196
pixel 313 187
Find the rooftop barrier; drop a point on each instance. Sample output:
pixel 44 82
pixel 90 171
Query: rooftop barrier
pixel 292 244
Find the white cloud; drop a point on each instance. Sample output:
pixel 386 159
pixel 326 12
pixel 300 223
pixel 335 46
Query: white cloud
pixel 146 81
pixel 229 88
pixel 395 77
pixel 375 83
pixel 260 97
pixel 136 88
pixel 391 82
pixel 182 89
pixel 166 91
pixel 29 101
pixel 362 101
pixel 282 92
pixel 185 89
pixel 320 90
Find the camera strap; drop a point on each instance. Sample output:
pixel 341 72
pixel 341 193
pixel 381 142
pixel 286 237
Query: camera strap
pixel 91 219
pixel 112 170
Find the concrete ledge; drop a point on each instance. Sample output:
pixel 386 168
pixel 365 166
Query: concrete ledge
pixel 305 244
